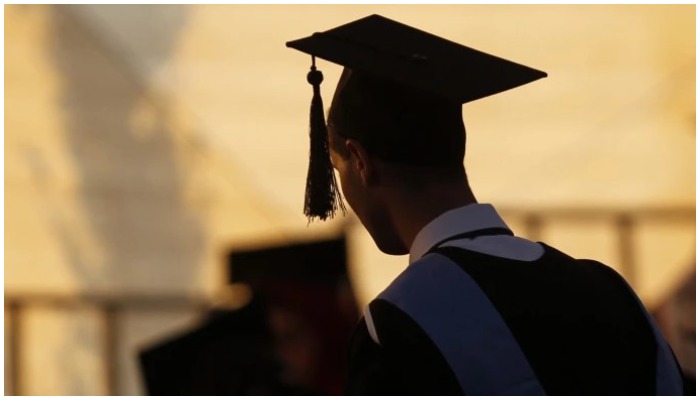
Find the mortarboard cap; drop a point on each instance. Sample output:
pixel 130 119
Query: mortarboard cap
pixel 401 91
pixel 318 261
pixel 414 58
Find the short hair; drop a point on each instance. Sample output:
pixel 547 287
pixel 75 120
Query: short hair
pixel 396 123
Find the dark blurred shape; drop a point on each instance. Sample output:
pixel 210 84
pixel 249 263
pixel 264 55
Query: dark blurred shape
pixel 231 353
pixel 289 340
pixel 676 318
pixel 311 307
pixel 323 261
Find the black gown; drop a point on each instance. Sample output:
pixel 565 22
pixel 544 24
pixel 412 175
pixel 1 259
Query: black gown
pixel 461 322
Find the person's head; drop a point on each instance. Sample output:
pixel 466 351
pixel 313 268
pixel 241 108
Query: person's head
pixel 389 142
pixel 398 107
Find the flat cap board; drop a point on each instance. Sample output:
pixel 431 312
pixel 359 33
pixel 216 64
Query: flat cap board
pixel 411 57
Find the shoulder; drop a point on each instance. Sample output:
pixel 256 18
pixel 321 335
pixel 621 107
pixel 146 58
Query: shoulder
pixel 437 307
pixel 421 280
pixel 398 314
pixel 392 354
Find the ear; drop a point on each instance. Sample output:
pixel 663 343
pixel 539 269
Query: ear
pixel 360 159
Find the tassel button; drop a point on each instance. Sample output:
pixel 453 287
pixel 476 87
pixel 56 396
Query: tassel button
pixel 314 77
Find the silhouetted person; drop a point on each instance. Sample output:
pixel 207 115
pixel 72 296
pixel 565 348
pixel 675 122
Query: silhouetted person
pixel 289 340
pixel 311 310
pixel 478 310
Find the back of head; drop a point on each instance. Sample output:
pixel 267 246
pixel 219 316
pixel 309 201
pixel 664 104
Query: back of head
pixel 397 123
pixel 400 96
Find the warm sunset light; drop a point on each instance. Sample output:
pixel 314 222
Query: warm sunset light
pixel 148 146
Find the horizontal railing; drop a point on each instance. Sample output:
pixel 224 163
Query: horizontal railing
pixel 623 222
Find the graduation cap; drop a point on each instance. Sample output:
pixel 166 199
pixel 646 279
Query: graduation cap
pixel 323 261
pixel 400 95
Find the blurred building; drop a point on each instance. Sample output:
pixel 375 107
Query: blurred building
pixel 142 142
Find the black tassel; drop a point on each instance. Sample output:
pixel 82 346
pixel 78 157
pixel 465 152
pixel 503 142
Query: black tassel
pixel 322 194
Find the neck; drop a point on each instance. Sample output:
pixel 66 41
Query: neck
pixel 414 210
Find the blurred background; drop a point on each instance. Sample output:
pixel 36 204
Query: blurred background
pixel 155 163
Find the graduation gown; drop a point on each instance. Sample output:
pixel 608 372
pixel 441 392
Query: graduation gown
pixel 459 321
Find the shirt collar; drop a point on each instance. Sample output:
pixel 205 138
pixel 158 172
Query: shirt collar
pixel 453 222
